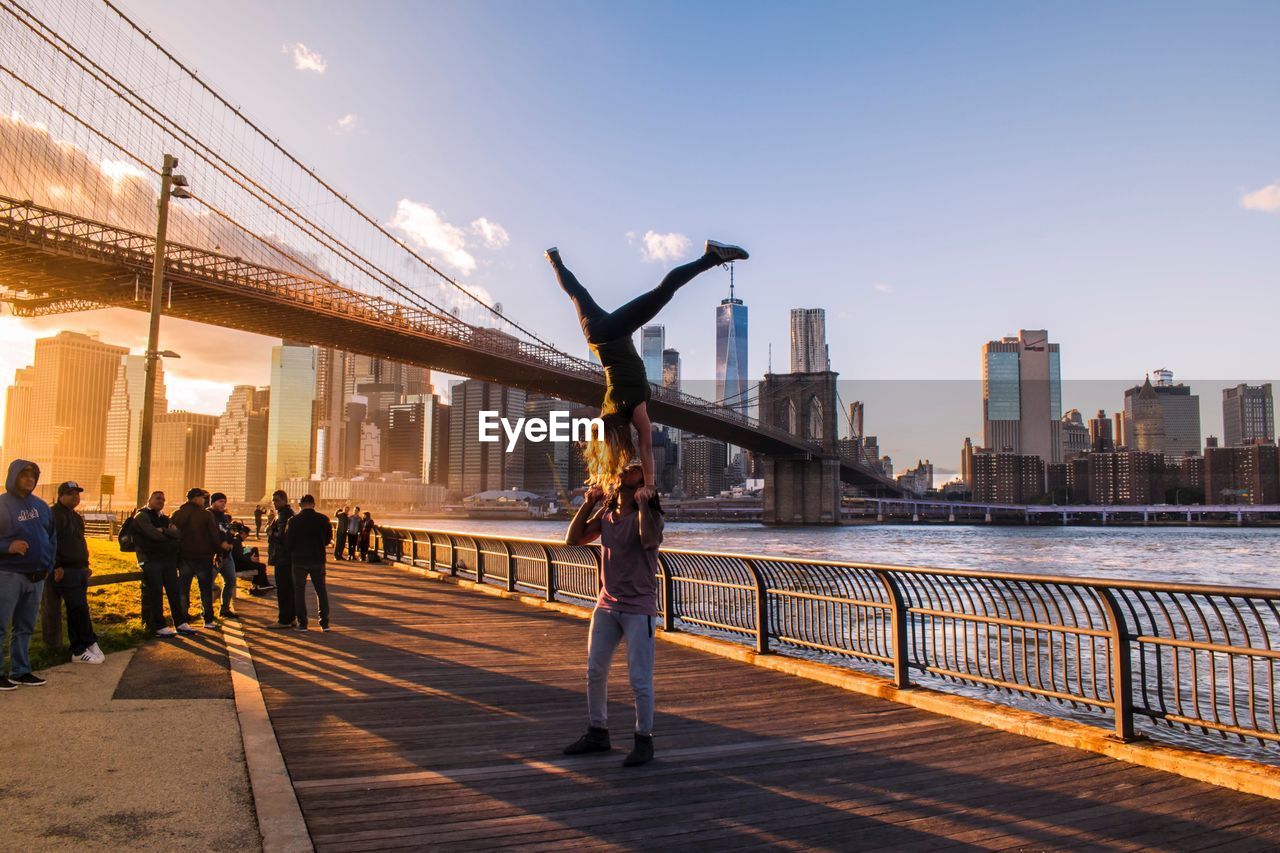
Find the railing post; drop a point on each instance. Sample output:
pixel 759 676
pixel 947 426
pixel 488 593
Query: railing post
pixel 475 542
pixel 413 549
pixel 1121 666
pixel 898 627
pixel 453 555
pixel 511 567
pixel 551 573
pixel 50 615
pixel 668 595
pixel 762 607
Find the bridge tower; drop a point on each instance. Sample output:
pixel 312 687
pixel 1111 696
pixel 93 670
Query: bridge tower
pixel 802 488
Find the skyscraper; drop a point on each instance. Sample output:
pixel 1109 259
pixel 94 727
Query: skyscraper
pixel 237 459
pixel 1178 417
pixel 476 466
pixel 731 353
pixel 1144 419
pixel 809 340
pixel 652 341
pixel 418 440
pixel 1100 437
pixel 1022 396
pixel 704 466
pixel 71 393
pixel 546 463
pixel 293 396
pixel 124 422
pixel 1248 415
pixel 17 414
pixel 671 369
pixel 329 420
pixel 178 453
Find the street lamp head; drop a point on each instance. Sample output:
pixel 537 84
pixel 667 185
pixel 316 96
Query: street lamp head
pixel 179 180
pixel 169 354
pixel 179 192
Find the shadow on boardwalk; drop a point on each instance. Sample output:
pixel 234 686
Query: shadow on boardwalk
pixel 435 716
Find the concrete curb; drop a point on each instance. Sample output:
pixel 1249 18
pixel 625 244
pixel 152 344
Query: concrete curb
pixel 279 816
pixel 1238 774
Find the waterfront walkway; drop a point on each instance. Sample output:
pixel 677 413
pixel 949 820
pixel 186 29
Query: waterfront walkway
pixel 435 716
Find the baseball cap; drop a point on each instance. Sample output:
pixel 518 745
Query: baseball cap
pixel 68 487
pixel 194 492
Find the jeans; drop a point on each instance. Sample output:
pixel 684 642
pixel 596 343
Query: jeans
pixel 285 602
pixel 300 573
pixel 228 573
pixel 200 568
pixel 352 539
pixel 74 588
pixel 161 576
pixel 19 606
pixel 600 326
pixel 608 627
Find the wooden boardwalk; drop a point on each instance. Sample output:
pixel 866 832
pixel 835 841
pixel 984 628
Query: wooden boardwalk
pixel 434 717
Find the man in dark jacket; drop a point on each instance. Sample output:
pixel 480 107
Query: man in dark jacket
pixel 71 574
pixel 307 539
pixel 278 556
pixel 157 542
pixel 28 544
pixel 201 544
pixel 340 519
pixel 227 546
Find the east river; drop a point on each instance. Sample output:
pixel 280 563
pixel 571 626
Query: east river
pixel 1219 555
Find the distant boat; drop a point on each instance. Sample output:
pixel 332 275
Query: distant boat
pixel 497 504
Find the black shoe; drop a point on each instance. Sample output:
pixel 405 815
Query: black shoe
pixel 280 626
pixel 642 754
pixel 595 740
pixel 301 626
pixel 29 680
pixel 553 255
pixel 324 626
pixel 6 684
pixel 725 253
pixel 227 613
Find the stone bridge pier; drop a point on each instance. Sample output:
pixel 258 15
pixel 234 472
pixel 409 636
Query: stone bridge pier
pixel 802 488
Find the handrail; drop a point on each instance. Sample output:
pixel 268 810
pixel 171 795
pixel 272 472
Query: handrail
pixel 1199 657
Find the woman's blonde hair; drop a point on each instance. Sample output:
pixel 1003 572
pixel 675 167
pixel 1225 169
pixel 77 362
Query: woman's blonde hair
pixel 607 458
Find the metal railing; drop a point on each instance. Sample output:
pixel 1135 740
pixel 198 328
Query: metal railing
pixel 1201 658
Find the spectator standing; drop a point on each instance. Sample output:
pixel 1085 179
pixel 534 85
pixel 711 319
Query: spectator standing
pixel 71 574
pixel 353 533
pixel 200 546
pixel 340 525
pixel 227 549
pixel 157 544
pixel 307 539
pixel 278 556
pixel 365 536
pixel 257 521
pixel 28 544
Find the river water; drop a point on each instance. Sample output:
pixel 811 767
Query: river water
pixel 1217 555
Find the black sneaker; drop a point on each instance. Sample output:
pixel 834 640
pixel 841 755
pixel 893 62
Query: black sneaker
pixel 280 626
pixel 595 740
pixel 324 626
pixel 553 255
pixel 642 754
pixel 6 684
pixel 29 680
pixel 228 613
pixel 725 253
pixel 301 627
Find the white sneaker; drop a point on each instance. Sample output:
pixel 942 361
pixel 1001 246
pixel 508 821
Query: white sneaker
pixel 185 628
pixel 725 252
pixel 87 656
pixel 97 651
pixel 166 631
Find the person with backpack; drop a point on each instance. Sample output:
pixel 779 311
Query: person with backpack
pixel 71 574
pixel 28 544
pixel 201 545
pixel 156 541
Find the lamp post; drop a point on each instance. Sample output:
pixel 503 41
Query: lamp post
pixel 170 185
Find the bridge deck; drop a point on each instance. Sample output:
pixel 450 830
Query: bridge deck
pixel 435 716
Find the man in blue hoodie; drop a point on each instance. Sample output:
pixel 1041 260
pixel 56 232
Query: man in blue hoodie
pixel 27 549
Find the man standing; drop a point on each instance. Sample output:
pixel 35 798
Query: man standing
pixel 340 522
pixel 157 543
pixel 307 539
pixel 71 574
pixel 629 526
pixel 257 521
pixel 353 533
pixel 27 547
pixel 227 549
pixel 201 544
pixel 278 556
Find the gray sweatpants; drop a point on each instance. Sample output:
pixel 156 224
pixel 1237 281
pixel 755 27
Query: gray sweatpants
pixel 607 630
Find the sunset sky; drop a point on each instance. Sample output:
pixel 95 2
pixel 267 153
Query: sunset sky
pixel 935 175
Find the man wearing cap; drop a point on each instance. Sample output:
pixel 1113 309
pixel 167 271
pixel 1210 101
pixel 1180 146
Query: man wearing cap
pixel 27 547
pixel 278 556
pixel 227 546
pixel 200 545
pixel 71 574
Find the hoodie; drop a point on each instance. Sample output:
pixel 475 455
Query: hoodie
pixel 28 519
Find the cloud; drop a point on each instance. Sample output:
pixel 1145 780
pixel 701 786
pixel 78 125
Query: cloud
pixel 493 234
pixel 305 59
pixel 349 123
pixel 427 229
pixel 882 287
pixel 664 247
pixel 1265 200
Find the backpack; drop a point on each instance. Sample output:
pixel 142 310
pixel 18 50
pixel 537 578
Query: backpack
pixel 125 536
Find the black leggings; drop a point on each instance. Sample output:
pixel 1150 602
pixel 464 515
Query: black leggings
pixel 600 326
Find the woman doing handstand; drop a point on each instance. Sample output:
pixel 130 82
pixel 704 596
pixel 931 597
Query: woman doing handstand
pixel 626 384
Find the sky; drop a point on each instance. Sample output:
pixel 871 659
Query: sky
pixel 934 175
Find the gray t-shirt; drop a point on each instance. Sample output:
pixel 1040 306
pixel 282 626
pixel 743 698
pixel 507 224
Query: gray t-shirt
pixel 628 571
